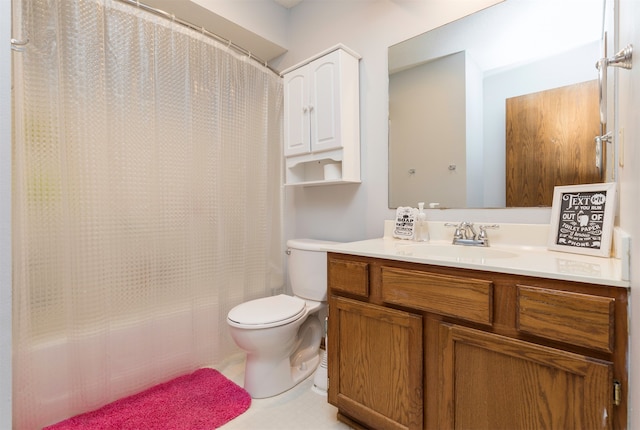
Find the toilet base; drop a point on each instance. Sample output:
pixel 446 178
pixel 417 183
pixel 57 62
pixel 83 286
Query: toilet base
pixel 266 379
pixel 267 375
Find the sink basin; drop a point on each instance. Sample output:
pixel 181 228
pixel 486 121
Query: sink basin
pixel 454 251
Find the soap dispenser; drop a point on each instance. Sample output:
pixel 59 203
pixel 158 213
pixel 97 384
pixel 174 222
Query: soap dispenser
pixel 422 228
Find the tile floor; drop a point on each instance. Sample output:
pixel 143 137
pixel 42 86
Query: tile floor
pixel 300 408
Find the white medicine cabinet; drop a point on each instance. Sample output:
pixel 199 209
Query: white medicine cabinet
pixel 322 119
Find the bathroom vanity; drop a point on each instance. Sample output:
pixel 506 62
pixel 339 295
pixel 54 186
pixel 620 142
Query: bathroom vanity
pixel 510 337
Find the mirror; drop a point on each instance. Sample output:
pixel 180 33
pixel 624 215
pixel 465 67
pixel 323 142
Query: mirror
pixel 447 132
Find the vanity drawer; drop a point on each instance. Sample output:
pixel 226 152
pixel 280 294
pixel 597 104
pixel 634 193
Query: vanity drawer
pixel 348 276
pixel 465 298
pixel 574 318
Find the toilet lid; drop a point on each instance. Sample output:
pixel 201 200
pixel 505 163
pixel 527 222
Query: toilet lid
pixel 267 310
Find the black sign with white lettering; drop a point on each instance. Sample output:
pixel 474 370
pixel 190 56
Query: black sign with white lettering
pixel 582 219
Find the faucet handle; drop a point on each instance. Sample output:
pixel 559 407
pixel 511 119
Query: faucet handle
pixel 492 226
pixel 483 230
pixel 458 234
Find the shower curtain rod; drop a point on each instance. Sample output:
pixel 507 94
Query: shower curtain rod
pixel 202 30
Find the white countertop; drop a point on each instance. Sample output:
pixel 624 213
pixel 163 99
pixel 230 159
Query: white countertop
pixel 534 261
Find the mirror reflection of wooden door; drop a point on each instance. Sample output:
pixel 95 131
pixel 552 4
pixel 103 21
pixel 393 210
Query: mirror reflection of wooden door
pixel 550 141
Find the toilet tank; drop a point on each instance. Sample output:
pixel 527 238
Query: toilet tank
pixel 307 266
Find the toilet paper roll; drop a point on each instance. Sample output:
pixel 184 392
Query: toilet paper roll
pixel 332 171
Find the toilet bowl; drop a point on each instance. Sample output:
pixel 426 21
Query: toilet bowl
pixel 281 334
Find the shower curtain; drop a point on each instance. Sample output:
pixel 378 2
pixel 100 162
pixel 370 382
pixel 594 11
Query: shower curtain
pixel 147 202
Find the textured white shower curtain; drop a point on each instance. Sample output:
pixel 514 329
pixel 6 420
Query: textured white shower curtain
pixel 147 202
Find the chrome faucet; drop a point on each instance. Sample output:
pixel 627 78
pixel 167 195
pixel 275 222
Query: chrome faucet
pixel 466 234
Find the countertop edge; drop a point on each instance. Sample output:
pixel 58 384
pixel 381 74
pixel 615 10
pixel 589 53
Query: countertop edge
pixel 371 248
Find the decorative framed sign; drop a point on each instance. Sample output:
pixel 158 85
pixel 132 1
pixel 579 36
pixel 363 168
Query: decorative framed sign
pixel 582 219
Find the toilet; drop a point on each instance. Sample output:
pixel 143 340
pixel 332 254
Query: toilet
pixel 281 334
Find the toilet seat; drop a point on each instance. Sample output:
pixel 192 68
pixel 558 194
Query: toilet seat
pixel 267 312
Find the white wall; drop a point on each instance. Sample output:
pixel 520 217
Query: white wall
pixel 629 179
pixel 5 215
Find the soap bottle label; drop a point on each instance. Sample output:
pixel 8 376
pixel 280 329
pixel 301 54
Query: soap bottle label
pixel 405 223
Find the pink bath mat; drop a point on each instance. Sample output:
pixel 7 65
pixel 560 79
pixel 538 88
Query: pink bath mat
pixel 202 400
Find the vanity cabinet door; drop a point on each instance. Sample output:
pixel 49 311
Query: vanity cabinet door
pixel 491 382
pixel 375 364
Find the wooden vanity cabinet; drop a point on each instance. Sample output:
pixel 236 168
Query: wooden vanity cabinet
pixel 415 346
